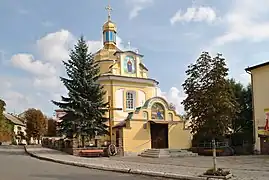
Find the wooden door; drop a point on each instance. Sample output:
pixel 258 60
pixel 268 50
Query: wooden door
pixel 159 136
pixel 264 145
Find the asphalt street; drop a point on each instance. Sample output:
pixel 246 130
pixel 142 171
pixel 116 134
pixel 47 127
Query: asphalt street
pixel 16 165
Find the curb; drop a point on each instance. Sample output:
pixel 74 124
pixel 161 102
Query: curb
pixel 119 170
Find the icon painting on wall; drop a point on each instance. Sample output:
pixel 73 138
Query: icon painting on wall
pixel 129 64
pixel 157 111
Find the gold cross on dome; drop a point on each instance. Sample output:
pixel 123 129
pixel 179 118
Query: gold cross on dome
pixel 109 9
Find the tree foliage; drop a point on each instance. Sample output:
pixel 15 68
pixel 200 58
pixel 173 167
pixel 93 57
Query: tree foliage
pixel 51 130
pixel 35 123
pixel 242 124
pixel 2 109
pixel 210 102
pixel 6 128
pixel 84 106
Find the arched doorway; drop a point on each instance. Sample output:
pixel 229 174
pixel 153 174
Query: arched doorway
pixel 158 127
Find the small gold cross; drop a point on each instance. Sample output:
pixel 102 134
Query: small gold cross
pixel 109 9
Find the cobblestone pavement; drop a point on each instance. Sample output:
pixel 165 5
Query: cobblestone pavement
pixel 251 163
pixel 17 165
pixel 243 167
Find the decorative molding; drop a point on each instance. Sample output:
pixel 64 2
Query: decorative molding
pixel 131 52
pixel 153 100
pixel 129 79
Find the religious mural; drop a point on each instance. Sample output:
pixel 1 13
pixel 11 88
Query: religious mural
pixel 157 111
pixel 129 64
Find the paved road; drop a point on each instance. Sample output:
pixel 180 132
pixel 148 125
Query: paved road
pixel 15 164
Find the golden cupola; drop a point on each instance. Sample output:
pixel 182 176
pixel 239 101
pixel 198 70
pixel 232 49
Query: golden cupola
pixel 109 32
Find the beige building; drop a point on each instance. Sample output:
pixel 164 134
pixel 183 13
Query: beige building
pixel 260 91
pixel 19 128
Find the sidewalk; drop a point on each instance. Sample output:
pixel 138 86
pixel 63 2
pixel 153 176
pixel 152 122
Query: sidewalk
pixel 160 170
pixel 157 169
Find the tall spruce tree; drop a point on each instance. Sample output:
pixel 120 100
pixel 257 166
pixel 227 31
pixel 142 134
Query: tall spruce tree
pixel 209 102
pixel 85 107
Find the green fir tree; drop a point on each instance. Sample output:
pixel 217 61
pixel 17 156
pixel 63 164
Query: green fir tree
pixel 85 107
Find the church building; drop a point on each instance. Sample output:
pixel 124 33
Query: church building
pixel 140 120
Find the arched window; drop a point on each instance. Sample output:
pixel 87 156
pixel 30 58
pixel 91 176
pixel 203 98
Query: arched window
pixel 130 100
pixel 145 115
pixel 170 116
pixel 157 111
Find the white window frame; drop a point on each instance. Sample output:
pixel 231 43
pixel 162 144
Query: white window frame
pixel 130 100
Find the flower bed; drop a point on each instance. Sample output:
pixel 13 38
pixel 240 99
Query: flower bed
pixel 218 174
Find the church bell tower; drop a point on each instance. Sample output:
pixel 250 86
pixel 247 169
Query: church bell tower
pixel 109 31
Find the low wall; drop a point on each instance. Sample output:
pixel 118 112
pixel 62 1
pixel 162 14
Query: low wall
pixel 64 145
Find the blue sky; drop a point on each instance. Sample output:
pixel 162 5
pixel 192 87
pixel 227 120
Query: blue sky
pixel 171 34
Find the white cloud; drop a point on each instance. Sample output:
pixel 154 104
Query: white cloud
pixel 245 21
pixel 27 63
pixel 94 46
pixel 17 101
pixel 137 6
pixel 54 47
pixel 51 83
pixel 196 14
pixel 46 70
pixel 174 96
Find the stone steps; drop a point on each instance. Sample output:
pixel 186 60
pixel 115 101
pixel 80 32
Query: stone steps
pixel 160 153
pixel 155 153
pixel 181 153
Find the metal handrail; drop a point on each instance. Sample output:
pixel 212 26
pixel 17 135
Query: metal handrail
pixel 209 144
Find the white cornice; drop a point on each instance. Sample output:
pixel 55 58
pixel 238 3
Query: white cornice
pixel 129 79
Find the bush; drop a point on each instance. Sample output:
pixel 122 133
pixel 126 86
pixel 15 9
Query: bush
pixel 218 172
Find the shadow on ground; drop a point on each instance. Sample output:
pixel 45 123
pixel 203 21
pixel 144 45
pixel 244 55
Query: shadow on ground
pixel 21 152
pixel 94 176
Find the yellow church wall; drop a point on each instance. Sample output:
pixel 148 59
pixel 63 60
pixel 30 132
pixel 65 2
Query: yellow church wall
pixel 104 66
pixel 179 137
pixel 120 88
pixel 137 138
pixel 260 85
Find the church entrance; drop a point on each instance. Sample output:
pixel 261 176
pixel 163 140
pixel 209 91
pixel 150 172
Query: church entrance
pixel 159 135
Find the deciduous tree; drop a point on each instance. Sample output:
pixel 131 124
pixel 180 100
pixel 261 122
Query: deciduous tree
pixel 35 123
pixel 2 118
pixel 84 105
pixel 242 124
pixel 51 130
pixel 210 102
pixel 6 128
